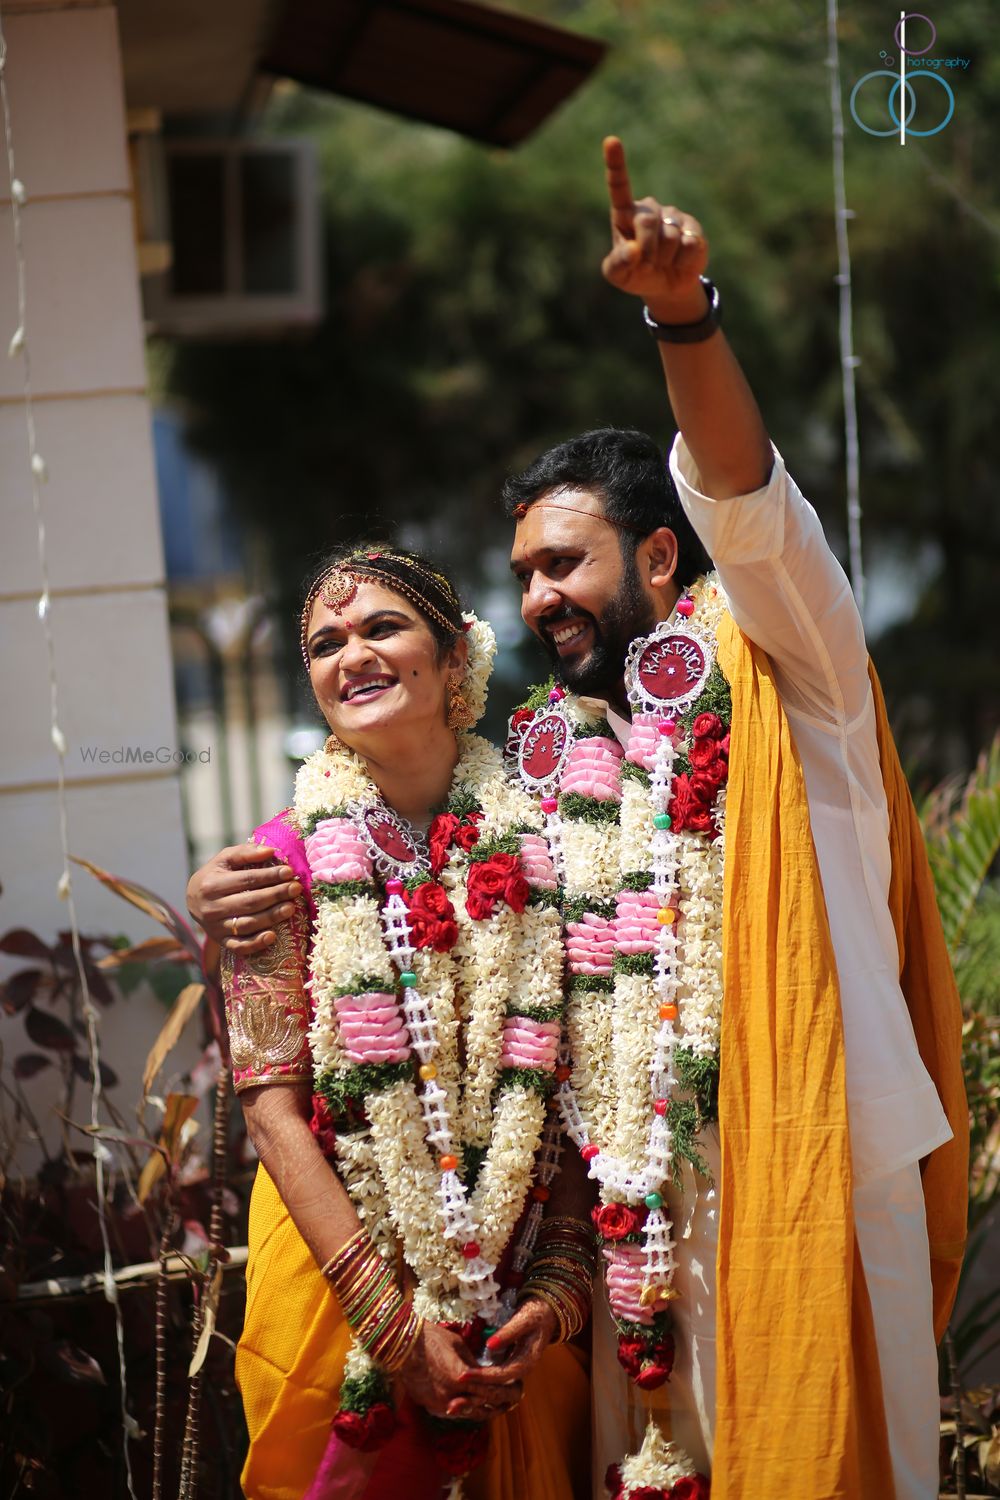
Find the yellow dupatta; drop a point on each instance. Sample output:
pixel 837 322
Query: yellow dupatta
pixel 799 1397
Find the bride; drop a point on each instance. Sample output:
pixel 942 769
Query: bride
pixel 418 1263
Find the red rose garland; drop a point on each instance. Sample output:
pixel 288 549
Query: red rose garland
pixel 491 880
pixel 694 792
pixel 689 1487
pixel 432 917
pixel 366 1430
pixel 615 1221
pixel 447 829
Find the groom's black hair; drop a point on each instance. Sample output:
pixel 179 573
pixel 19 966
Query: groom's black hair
pixel 627 470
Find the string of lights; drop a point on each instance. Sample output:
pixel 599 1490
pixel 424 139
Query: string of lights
pixel 20 348
pixel 848 359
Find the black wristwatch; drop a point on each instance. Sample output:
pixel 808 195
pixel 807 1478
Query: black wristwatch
pixel 689 333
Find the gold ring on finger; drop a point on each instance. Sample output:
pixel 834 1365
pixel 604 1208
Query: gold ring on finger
pixel 234 926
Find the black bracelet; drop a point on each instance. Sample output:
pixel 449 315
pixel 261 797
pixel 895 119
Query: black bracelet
pixel 689 333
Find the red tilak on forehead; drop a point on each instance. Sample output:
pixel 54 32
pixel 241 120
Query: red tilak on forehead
pixel 522 510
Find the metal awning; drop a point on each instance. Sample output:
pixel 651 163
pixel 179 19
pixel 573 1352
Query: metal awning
pixel 485 73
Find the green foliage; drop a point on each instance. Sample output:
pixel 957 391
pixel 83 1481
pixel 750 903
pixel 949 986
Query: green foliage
pixel 346 890
pixel 963 840
pixel 576 907
pixel 634 963
pixel 535 1012
pixel 472 1164
pixel 345 1089
pixel 631 772
pixel 507 843
pixel 309 823
pixel 591 984
pixel 538 695
pixel 541 897
pixel 462 802
pixel 593 729
pixel 685 1121
pixel 365 984
pixel 359 1392
pixel 589 809
pixel 977 960
pixel 701 1076
pixel 526 1078
pixel 468 326
pixel 962 828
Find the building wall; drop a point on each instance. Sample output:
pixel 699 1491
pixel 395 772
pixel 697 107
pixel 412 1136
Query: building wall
pixel 112 657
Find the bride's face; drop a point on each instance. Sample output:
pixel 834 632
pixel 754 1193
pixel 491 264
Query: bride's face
pixel 376 669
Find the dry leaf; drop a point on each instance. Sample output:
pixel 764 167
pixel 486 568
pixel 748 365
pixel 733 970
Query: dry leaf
pixel 210 1306
pixel 991 1461
pixel 145 952
pixel 181 1012
pixel 150 1175
pixel 180 1108
pixel 161 911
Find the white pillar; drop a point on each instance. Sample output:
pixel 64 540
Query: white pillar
pixel 109 616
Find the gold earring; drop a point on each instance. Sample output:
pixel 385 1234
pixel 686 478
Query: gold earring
pixel 333 745
pixel 460 715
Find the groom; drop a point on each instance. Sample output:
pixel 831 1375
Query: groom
pixel 606 543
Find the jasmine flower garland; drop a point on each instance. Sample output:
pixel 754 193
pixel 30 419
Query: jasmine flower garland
pixel 637 837
pixel 425 1034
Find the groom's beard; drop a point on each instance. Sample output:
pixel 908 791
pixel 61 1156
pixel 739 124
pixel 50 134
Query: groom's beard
pixel 629 614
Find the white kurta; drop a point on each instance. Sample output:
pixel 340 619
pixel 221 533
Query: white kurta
pixel 789 594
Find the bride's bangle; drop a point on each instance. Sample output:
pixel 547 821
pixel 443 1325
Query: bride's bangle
pixel 561 1272
pixel 383 1322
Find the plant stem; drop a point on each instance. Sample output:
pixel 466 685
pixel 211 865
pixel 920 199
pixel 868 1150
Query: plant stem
pixel 956 1395
pixel 188 1487
pixel 161 1351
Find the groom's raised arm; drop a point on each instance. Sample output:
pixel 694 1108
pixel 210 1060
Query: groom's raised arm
pixel 659 254
pixel 786 589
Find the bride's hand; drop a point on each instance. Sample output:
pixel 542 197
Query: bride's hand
pixel 441 1374
pixel 489 1389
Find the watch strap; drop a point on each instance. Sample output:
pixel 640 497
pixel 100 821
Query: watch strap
pixel 688 333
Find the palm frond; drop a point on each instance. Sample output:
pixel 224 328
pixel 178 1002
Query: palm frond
pixel 963 840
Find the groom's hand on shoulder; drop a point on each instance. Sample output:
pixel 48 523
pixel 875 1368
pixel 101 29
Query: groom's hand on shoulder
pixel 243 885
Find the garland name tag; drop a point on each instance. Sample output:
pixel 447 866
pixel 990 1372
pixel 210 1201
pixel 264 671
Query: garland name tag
pixel 668 669
pixel 544 747
pixel 394 848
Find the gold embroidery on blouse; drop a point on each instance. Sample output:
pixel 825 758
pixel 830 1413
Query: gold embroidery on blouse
pixel 270 960
pixel 262 1035
pixel 267 1008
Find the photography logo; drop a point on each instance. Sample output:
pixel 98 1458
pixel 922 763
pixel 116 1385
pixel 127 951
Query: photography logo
pixel 912 30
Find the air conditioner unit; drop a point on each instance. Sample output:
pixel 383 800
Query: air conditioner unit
pixel 243 225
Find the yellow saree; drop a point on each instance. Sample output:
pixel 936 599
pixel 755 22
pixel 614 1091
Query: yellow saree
pixel 290 1363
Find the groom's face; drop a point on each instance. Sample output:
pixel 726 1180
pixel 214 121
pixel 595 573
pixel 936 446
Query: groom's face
pixel 579 594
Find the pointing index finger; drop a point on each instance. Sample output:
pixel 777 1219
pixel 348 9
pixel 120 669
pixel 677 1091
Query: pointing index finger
pixel 619 187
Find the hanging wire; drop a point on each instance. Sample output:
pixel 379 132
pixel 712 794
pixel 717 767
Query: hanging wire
pixel 19 348
pixel 848 359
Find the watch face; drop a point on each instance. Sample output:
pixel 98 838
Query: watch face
pixel 543 749
pixel 666 671
pixel 389 837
